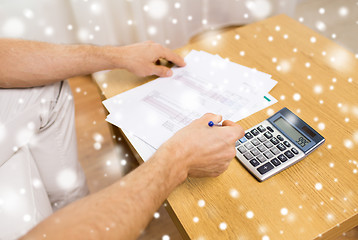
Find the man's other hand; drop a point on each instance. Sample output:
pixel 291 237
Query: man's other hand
pixel 140 59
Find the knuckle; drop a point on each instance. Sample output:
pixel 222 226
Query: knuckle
pixel 230 154
pixel 208 115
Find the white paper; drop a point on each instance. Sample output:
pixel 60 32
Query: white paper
pixel 153 112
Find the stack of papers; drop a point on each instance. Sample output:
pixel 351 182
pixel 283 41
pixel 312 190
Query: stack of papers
pixel 151 113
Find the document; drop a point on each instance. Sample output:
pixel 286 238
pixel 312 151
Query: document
pixel 151 113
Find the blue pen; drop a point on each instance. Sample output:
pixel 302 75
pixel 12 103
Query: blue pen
pixel 211 124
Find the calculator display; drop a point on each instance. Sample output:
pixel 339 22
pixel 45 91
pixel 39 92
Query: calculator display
pixel 291 132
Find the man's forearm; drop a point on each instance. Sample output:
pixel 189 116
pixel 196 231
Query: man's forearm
pixel 29 63
pixel 120 211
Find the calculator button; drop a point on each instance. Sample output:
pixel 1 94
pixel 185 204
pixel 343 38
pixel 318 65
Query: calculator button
pixel 261 128
pixel 262 138
pixel 248 135
pixel 275 162
pixel 242 140
pixel 268 154
pixel 268 135
pixel 265 168
pixel 270 129
pixel 248 155
pixel 241 149
pixel 281 147
pixel 282 158
pixel 255 132
pixel 255 152
pixel 275 151
pixel 289 154
pixel 268 144
pixel 294 150
pixel 261 158
pixel 254 162
pixel 287 144
pixel 280 138
pixel 237 143
pixel 274 141
pixel 248 146
pixel 255 142
pixel 261 148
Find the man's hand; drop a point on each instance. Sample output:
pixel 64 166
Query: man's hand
pixel 203 151
pixel 140 59
pixel 126 207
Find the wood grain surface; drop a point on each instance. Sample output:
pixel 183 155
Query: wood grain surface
pixel 316 198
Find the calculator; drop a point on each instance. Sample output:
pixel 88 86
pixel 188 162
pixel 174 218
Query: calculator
pixel 276 144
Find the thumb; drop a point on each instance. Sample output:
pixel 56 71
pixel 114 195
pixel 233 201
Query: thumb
pixel 161 71
pixel 228 123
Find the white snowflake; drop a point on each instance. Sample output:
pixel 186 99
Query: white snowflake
pixel 318 186
pixel 284 211
pixel 165 237
pixel 318 89
pixel 250 214
pixel 49 31
pixel 28 13
pixel 27 218
pixel 96 8
pixel 321 26
pixel 348 143
pixel 13 27
pixel 259 8
pixel 97 145
pixel 157 9
pixel 223 226
pixel 66 179
pixel 321 126
pixel 201 203
pixel 234 193
pixel 296 97
pixel 343 11
pixel 152 30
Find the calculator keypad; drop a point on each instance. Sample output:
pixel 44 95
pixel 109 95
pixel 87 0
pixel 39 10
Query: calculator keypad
pixel 265 151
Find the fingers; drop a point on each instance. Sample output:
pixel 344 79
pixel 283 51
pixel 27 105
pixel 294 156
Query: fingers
pixel 173 57
pixel 207 117
pixel 161 71
pixel 235 129
pixel 228 123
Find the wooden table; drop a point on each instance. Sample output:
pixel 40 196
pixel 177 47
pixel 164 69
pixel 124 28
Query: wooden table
pixel 316 198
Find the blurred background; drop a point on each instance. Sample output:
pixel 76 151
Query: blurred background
pixel 172 23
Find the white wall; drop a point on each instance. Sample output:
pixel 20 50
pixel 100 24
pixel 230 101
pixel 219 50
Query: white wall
pixel 169 22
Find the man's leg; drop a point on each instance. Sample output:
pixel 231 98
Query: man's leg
pixel 23 199
pixel 55 150
pixel 42 118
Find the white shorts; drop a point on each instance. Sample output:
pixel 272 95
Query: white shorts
pixel 39 171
